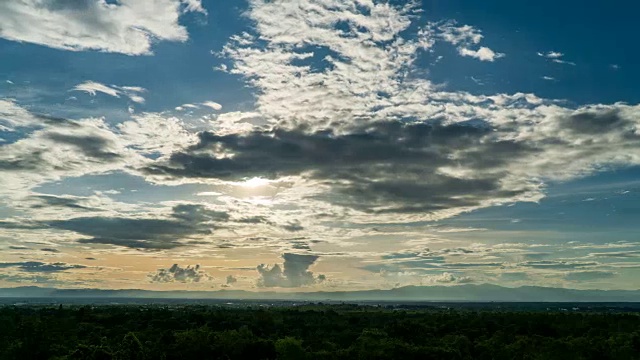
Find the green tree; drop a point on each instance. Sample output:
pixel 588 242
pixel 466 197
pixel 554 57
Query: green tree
pixel 290 348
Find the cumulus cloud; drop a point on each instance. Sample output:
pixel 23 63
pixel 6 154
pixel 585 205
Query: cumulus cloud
pixel 127 26
pixel 482 54
pixel 294 272
pixel 231 280
pixel 446 278
pixel 176 273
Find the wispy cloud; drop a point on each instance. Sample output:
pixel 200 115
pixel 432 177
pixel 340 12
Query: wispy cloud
pixel 556 57
pixel 92 88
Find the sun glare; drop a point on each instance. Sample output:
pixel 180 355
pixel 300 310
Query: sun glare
pixel 254 182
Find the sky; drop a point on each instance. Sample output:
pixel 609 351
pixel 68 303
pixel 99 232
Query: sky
pixel 319 145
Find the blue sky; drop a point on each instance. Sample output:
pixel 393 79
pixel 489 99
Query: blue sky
pixel 318 144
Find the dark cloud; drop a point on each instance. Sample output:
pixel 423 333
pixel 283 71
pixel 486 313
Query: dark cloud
pixel 454 265
pixel 255 220
pixel 51 250
pixel 59 201
pixel 300 245
pixel 515 276
pixel 397 167
pixel 18 225
pixel 535 255
pixel 37 266
pixel 293 273
pixel 286 152
pixel 90 145
pixel 231 280
pixel 194 213
pixel 56 120
pixel 556 264
pixel 293 226
pixel 598 122
pixel 617 254
pixel 589 275
pixel 14 247
pixel 83 139
pixel 176 273
pixel 32 161
pixel 387 166
pixel 185 221
pixel 69 5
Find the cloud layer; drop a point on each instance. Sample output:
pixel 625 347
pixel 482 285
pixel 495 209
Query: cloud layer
pixel 350 146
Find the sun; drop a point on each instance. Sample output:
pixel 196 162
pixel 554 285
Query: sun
pixel 254 182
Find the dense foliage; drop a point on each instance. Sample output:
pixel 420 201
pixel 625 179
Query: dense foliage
pixel 311 332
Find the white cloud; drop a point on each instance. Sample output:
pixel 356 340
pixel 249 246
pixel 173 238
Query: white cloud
pixel 13 116
pixel 151 133
pixel 551 55
pixel 211 104
pixel 555 57
pixel 558 61
pixel 194 5
pixel 482 54
pixel 464 37
pixel 183 107
pixel 445 278
pixel 92 87
pixel 132 92
pixel 128 27
pixel 548 78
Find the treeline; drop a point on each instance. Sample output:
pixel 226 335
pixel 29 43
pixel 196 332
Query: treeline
pixel 311 332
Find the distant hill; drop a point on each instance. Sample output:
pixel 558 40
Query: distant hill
pixel 467 292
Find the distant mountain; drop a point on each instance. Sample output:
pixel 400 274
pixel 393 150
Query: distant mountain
pixel 467 292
